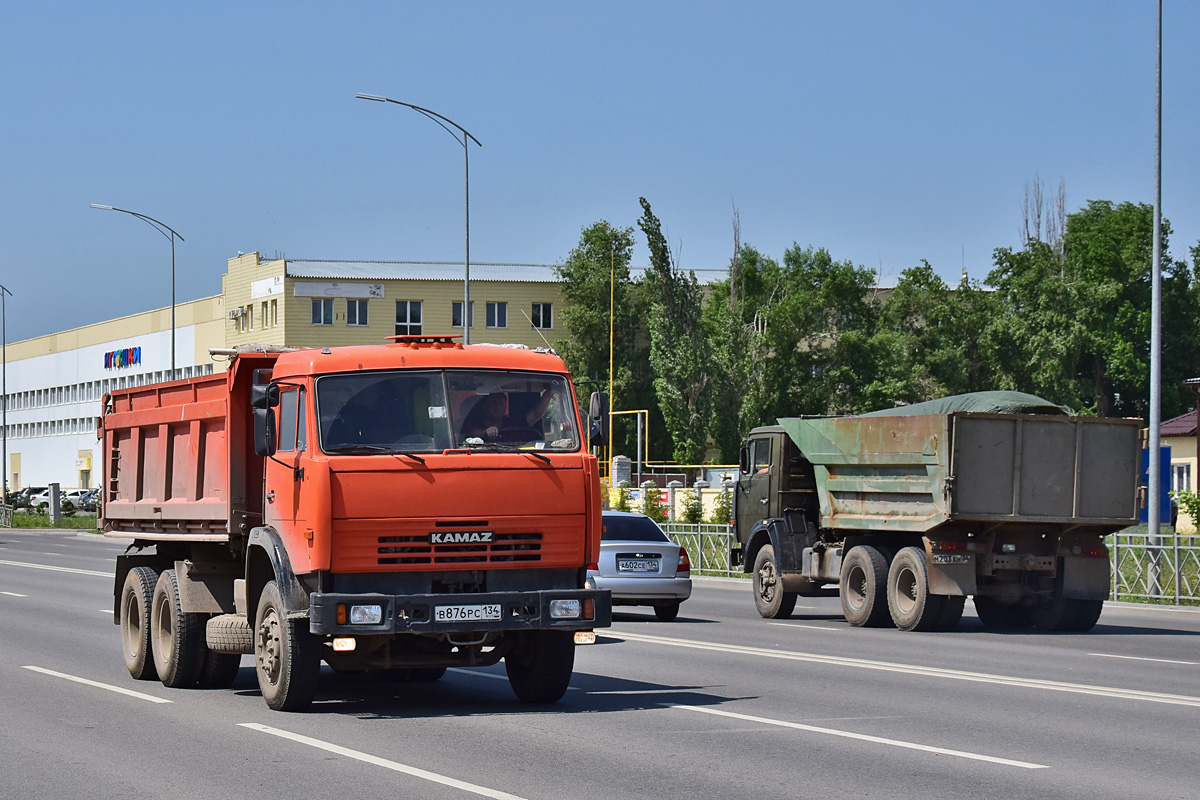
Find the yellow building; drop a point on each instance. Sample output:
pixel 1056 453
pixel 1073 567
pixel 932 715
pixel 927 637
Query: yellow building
pixel 309 303
pixel 1180 435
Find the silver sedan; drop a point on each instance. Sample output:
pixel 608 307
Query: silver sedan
pixel 641 566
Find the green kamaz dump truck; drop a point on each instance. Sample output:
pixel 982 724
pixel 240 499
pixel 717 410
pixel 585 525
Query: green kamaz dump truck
pixel 999 496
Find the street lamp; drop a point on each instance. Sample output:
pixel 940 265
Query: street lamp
pixel 4 384
pixel 464 141
pixel 162 228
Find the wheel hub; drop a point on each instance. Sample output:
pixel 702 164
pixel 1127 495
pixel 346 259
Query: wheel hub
pixel 269 656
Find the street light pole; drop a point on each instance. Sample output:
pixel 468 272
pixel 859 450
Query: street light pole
pixel 4 383
pixel 162 228
pixel 464 141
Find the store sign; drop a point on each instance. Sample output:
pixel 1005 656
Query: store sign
pixel 118 359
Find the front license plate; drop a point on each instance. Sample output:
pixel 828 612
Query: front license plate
pixel 488 612
pixel 638 565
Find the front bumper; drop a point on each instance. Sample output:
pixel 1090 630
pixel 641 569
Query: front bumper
pixel 520 611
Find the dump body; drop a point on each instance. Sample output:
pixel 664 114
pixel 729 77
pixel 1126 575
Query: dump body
pixel 422 504
pixel 915 473
pixel 1009 508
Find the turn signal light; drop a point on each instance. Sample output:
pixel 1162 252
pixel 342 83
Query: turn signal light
pixel 341 614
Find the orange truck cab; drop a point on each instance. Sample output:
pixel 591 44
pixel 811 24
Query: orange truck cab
pixel 399 508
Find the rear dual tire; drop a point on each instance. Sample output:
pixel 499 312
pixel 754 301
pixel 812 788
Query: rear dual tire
pixel 910 604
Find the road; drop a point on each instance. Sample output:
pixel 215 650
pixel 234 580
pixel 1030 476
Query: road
pixel 718 704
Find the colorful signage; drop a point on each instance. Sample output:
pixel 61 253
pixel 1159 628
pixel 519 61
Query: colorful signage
pixel 118 359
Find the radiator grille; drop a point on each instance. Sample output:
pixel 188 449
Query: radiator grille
pixel 505 548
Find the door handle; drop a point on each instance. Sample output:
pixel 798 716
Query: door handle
pixel 271 497
pixel 763 501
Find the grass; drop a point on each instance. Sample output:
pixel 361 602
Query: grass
pixel 79 522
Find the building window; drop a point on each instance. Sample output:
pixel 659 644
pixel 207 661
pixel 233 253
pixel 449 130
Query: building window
pixel 274 313
pixel 1181 477
pixel 542 316
pixel 497 315
pixel 250 317
pixel 408 317
pixel 322 311
pixel 356 312
pixel 456 314
pixel 265 319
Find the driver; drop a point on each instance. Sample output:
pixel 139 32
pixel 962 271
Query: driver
pixel 490 416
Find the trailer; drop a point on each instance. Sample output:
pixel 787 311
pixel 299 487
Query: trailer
pixel 337 506
pixel 905 514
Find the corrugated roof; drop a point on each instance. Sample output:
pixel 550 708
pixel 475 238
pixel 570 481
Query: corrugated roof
pixel 419 271
pixel 1183 425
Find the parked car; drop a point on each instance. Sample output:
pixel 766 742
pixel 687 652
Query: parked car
pixel 641 566
pixel 41 501
pixel 88 501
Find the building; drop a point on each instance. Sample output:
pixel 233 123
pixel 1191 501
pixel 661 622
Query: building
pixel 1179 433
pixel 55 383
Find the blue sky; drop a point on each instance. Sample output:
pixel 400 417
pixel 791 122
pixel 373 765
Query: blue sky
pixel 885 132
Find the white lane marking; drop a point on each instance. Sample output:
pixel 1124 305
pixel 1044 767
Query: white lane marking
pixel 14 594
pixel 382 762
pixel 1008 762
pixel 57 569
pixel 799 625
pixel 1143 658
pixel 913 669
pixel 98 685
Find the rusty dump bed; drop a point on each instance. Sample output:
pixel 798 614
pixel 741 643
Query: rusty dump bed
pixel 915 473
pixel 176 459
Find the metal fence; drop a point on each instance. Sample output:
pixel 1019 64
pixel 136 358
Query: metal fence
pixel 1166 569
pixel 6 515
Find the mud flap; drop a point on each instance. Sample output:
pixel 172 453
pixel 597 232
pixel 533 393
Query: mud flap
pixel 1085 578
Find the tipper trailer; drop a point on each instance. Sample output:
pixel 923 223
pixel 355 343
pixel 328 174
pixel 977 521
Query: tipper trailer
pixel 345 505
pixel 905 514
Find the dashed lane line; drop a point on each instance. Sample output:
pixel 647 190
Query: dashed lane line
pixel 915 669
pixel 1144 658
pixel 416 772
pixel 97 684
pixel 1008 762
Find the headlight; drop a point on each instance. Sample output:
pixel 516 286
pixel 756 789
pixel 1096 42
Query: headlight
pixel 565 609
pixel 366 615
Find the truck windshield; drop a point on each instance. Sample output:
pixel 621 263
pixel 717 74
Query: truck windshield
pixel 428 412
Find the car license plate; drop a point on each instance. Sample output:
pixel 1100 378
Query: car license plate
pixel 488 612
pixel 638 565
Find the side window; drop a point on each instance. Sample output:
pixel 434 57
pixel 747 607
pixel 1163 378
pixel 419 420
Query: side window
pixel 288 408
pixel 301 424
pixel 760 456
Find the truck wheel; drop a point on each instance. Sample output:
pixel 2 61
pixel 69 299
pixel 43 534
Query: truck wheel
pixel 1058 613
pixel 952 611
pixel 286 657
pixel 1002 616
pixel 539 667
pixel 863 588
pixel 666 612
pixel 220 670
pixel 769 598
pixel 136 597
pixel 176 638
pixel 1087 614
pixel 911 605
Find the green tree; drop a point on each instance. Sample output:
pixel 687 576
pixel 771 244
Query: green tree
pixel 680 350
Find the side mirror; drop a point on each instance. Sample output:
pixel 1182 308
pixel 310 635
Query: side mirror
pixel 264 431
pixel 264 395
pixel 598 418
pixel 744 458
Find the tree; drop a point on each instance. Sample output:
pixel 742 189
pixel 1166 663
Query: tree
pixel 680 350
pixel 598 265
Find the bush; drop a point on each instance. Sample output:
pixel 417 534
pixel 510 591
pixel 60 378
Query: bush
pixel 651 506
pixel 1189 503
pixel 622 503
pixel 67 508
pixel 692 509
pixel 723 509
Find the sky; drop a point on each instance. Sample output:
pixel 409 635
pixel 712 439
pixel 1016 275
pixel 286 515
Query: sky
pixel 885 132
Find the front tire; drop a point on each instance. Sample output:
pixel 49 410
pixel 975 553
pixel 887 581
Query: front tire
pixel 769 598
pixel 137 596
pixel 863 588
pixel 176 638
pixel 286 657
pixel 539 667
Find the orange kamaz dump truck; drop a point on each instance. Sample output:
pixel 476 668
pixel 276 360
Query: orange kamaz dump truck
pixel 398 508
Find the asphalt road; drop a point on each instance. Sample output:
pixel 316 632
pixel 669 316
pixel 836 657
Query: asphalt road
pixel 718 704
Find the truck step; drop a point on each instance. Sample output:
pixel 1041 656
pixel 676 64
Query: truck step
pixel 229 633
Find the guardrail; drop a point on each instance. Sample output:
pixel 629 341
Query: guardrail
pixel 6 515
pixel 1166 569
pixel 707 546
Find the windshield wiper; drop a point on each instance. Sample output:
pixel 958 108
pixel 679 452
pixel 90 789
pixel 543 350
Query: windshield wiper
pixel 475 443
pixel 373 448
